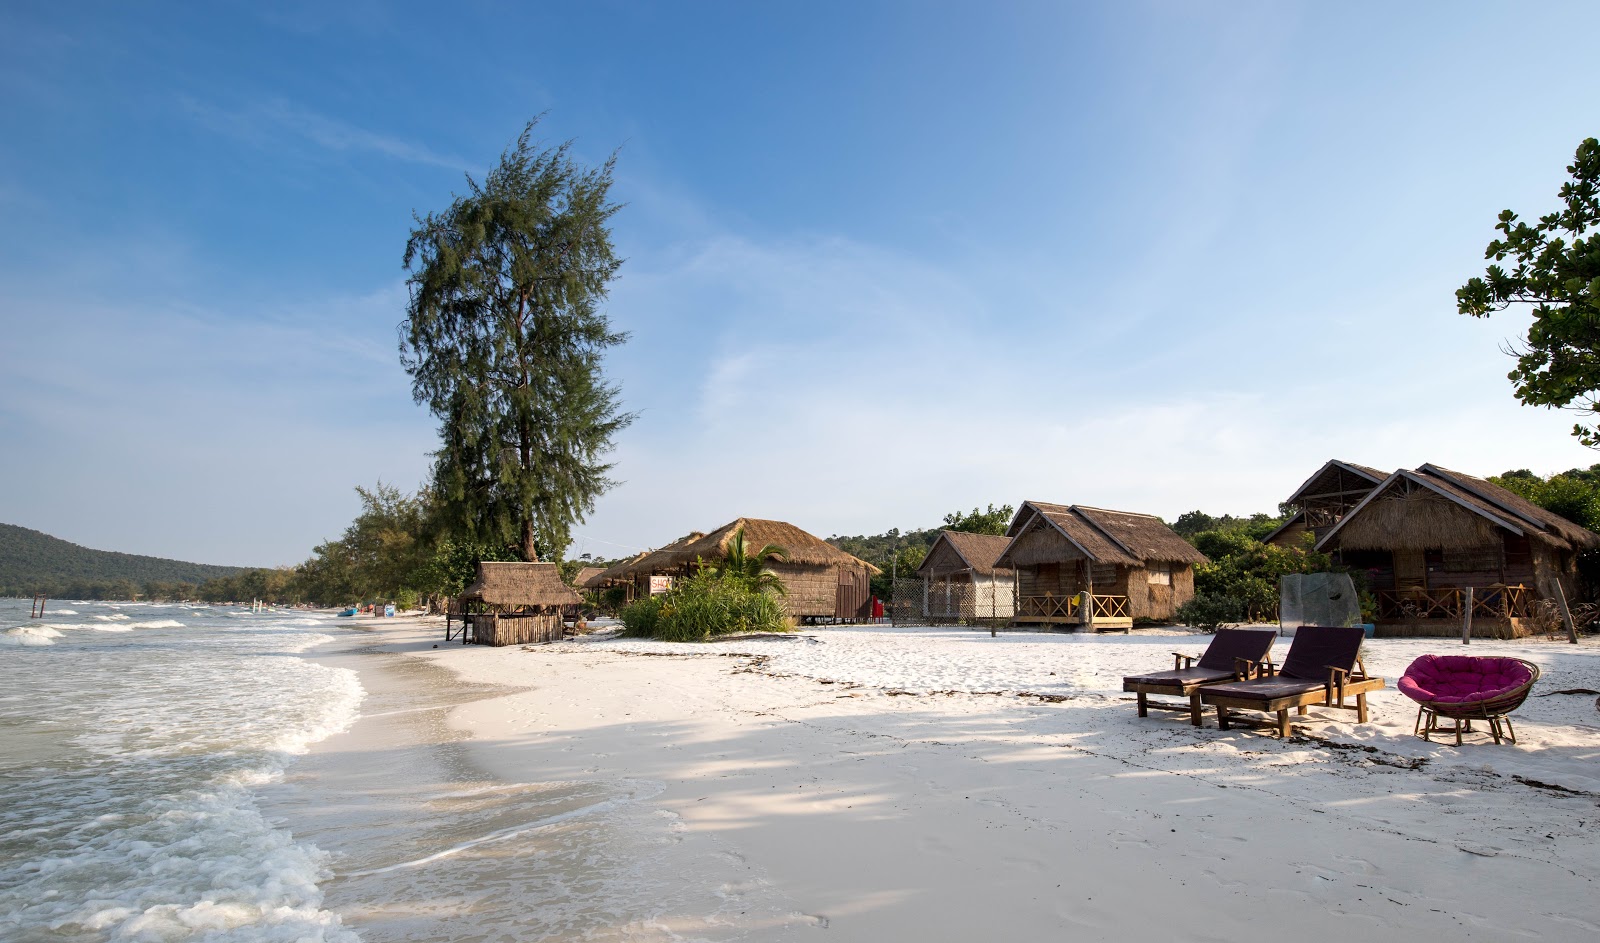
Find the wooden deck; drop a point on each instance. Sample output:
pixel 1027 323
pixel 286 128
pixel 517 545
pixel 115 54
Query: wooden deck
pixel 1102 612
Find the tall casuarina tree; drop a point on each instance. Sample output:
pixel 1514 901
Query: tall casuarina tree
pixel 504 340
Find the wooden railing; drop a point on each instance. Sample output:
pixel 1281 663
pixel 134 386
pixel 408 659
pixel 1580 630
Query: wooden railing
pixel 1061 607
pixel 1110 607
pixel 1489 602
pixel 1047 607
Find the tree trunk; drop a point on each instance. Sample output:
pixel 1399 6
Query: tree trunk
pixel 530 552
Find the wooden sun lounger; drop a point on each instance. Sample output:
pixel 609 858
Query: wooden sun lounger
pixel 1233 655
pixel 1323 668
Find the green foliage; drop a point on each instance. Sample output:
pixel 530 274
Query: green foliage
pixel 993 522
pixel 641 617
pixel 703 605
pixel 1209 612
pixel 1574 494
pixel 504 340
pixel 1554 271
pixel 1256 526
pixel 34 562
pixel 750 569
pixel 1240 583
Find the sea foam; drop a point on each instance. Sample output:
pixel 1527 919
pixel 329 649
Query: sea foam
pixel 147 827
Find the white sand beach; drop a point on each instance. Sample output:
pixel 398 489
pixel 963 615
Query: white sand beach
pixel 879 783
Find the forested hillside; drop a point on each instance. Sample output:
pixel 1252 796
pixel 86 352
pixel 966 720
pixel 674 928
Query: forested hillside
pixel 32 562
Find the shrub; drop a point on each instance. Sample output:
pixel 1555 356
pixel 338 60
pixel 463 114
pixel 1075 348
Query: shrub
pixel 701 606
pixel 641 617
pixel 1208 612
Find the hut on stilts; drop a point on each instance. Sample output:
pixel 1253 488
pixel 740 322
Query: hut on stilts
pixel 1322 501
pixel 513 604
pixel 960 580
pixel 1432 541
pixel 1096 569
pixel 822 582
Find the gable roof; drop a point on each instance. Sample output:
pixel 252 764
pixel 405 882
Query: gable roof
pixel 664 558
pixel 520 584
pixel 617 571
pixel 801 547
pixel 1364 472
pixel 1490 502
pixel 1105 536
pixel 584 575
pixel 978 551
pixel 1298 517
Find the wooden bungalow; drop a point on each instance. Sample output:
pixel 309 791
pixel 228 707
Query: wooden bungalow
pixel 513 604
pixel 1323 500
pixel 960 579
pixel 653 572
pixel 616 575
pixel 1425 537
pixel 1094 568
pixel 823 582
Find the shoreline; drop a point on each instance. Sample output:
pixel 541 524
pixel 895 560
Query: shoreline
pixel 875 812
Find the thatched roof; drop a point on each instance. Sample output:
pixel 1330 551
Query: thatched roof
pixel 1336 477
pixel 800 547
pixel 583 576
pixel 666 558
pixel 1104 536
pixel 1433 507
pixel 616 571
pixel 978 551
pixel 520 584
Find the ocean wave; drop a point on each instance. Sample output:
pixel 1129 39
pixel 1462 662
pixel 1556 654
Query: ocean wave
pixel 115 617
pixel 63 612
pixel 30 635
pixel 157 624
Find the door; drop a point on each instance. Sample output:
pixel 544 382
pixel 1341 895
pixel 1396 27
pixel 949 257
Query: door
pixel 854 598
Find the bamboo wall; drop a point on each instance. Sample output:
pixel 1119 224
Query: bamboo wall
pixel 813 589
pixel 489 628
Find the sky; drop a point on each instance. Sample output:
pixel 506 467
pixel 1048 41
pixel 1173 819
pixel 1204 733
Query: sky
pixel 885 261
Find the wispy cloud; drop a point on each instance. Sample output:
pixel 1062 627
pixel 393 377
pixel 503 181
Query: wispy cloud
pixel 277 122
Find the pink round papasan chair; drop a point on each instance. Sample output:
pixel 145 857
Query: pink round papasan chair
pixel 1467 688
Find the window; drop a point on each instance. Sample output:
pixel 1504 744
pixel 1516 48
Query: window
pixel 1158 574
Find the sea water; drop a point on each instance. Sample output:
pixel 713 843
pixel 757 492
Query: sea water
pixel 173 773
pixel 133 742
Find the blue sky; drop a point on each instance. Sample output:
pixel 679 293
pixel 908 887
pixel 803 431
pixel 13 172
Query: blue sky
pixel 884 260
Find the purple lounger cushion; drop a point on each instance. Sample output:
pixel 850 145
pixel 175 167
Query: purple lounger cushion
pixel 1459 679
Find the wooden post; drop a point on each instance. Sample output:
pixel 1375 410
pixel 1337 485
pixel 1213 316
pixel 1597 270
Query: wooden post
pixel 1088 594
pixel 1466 620
pixel 1566 614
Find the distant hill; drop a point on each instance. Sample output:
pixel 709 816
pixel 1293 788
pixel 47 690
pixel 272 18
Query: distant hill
pixel 31 561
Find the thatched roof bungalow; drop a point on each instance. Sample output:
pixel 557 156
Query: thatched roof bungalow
pixel 823 582
pixel 960 579
pixel 1323 500
pixel 1425 536
pixel 585 575
pixel 1117 565
pixel 514 603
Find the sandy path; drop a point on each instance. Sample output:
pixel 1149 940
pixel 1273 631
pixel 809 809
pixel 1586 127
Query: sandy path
pixel 972 816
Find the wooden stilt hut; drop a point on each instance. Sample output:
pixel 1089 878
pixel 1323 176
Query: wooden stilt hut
pixel 1323 500
pixel 961 581
pixel 515 603
pixel 1431 539
pixel 822 581
pixel 1095 568
pixel 653 572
